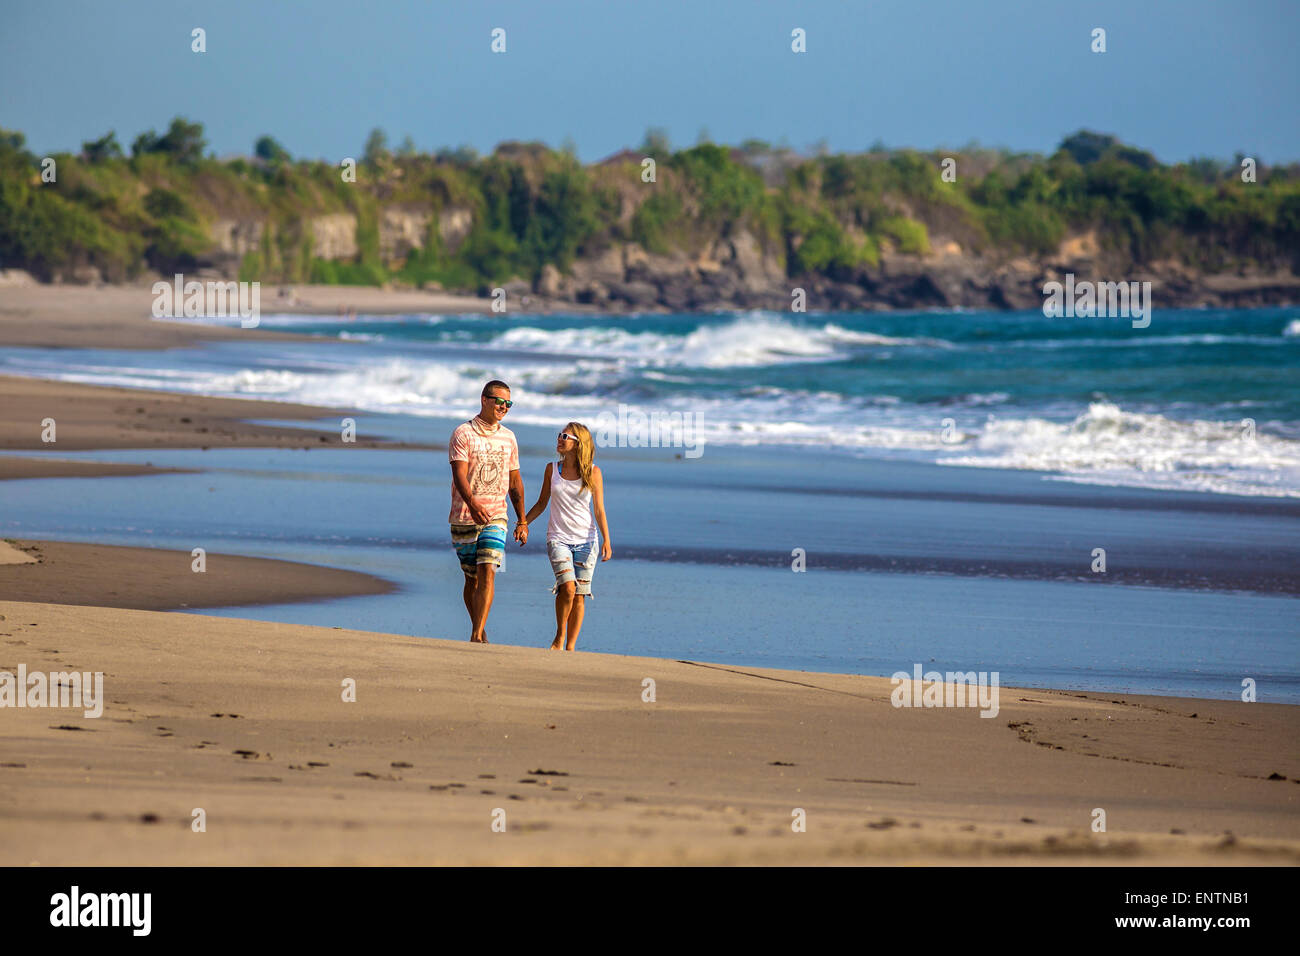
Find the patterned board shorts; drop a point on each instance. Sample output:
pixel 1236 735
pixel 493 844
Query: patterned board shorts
pixel 479 544
pixel 572 562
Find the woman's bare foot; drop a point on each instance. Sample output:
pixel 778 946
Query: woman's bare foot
pixel 555 644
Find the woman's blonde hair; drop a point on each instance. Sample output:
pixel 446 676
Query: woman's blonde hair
pixel 586 450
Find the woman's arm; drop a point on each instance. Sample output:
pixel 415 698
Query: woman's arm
pixel 598 505
pixel 543 496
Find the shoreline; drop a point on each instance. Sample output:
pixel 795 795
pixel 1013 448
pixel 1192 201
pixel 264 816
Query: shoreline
pixel 100 418
pixel 157 579
pixel 623 281
pixel 95 417
pixel 87 574
pixel 443 736
pixel 118 317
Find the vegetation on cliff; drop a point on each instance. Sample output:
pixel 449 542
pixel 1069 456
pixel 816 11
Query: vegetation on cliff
pixel 526 206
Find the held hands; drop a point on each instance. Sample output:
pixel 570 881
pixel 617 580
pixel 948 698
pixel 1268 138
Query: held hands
pixel 521 532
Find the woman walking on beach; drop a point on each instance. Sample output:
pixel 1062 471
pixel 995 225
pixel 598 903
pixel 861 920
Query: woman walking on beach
pixel 578 489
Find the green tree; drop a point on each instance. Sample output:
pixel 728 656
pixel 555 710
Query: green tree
pixel 1086 146
pixel 563 218
pixel 268 150
pixel 146 142
pixel 183 142
pixel 656 143
pixel 99 150
pixel 376 150
pixel 11 141
pixel 463 155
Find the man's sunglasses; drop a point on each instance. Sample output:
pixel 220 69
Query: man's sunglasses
pixel 500 401
pixel 565 436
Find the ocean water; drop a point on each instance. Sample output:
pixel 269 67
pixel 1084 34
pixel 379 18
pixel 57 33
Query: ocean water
pixel 823 435
pixel 906 562
pixel 1200 400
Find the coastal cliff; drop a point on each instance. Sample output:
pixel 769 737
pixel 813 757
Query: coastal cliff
pixel 705 228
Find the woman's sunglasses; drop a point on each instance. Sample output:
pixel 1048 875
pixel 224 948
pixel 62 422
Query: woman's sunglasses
pixel 500 401
pixel 565 436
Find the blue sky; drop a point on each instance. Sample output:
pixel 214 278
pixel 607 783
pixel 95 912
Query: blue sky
pixel 1181 78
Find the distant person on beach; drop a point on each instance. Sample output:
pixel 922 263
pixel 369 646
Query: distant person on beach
pixel 574 487
pixel 484 465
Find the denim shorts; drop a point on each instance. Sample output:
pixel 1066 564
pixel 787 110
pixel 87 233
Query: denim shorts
pixel 572 562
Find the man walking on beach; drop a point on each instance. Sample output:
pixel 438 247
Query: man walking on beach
pixel 484 465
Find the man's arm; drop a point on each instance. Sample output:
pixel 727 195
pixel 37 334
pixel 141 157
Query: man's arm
pixel 517 499
pixel 460 479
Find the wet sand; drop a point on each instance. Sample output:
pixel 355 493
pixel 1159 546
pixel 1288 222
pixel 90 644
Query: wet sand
pixel 90 417
pixel 158 579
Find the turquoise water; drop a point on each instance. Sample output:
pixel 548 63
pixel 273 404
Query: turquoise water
pixel 1200 400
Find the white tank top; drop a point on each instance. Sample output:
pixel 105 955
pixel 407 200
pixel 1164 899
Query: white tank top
pixel 571 521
